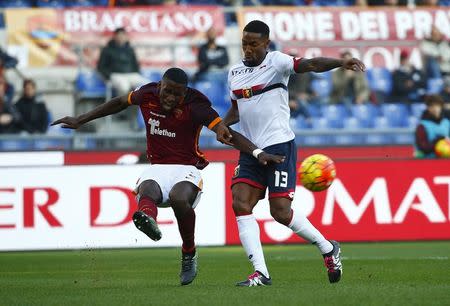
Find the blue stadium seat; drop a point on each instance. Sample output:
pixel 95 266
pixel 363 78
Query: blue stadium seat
pixel 90 85
pixel 435 86
pixel 140 121
pixel 380 79
pixel 86 3
pixel 317 124
pixel 350 124
pixel 15 145
pixel 417 109
pixel 301 123
pixel 314 110
pixel 16 3
pixel 333 2
pixel 215 91
pixel 152 75
pixel 321 87
pixel 379 138
pixel 51 3
pixel 365 113
pixel 413 121
pixel 403 139
pixel 396 114
pixel 335 114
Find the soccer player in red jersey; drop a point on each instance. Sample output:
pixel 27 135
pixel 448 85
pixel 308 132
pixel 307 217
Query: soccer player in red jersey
pixel 175 115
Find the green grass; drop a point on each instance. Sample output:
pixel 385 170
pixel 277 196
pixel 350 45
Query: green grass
pixel 374 274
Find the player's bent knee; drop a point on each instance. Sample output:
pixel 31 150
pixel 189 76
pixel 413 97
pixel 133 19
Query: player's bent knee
pixel 241 207
pixel 282 216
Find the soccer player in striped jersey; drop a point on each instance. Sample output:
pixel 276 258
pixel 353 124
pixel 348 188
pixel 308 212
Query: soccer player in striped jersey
pixel 258 90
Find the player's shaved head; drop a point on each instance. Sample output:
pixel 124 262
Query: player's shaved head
pixel 176 75
pixel 258 27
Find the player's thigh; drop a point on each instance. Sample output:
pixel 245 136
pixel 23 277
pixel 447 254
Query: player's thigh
pixel 249 172
pixel 164 175
pixel 151 189
pixel 282 177
pixel 183 193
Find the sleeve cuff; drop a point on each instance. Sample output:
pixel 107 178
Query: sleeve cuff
pixel 214 123
pixel 129 98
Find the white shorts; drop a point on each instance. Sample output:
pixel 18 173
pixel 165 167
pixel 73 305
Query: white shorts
pixel 167 176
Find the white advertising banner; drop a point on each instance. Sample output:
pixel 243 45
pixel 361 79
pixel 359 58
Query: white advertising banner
pixel 91 207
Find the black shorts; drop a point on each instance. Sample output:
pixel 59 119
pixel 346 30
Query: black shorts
pixel 281 179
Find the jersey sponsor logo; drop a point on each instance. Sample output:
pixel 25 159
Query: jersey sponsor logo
pixel 155 130
pixel 242 71
pixel 157 115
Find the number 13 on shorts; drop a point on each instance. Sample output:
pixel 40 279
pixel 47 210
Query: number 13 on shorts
pixel 281 178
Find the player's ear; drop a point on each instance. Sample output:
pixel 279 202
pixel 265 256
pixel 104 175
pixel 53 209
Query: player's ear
pixel 267 43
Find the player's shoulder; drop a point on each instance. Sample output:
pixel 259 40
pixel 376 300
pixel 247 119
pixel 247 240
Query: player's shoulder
pixel 151 87
pixel 278 55
pixel 195 96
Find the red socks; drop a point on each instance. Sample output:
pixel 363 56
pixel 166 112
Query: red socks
pixel 148 207
pixel 186 226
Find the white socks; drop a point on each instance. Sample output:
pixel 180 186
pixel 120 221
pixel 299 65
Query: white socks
pixel 303 228
pixel 250 240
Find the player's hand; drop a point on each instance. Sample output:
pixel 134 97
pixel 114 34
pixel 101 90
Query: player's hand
pixel 354 64
pixel 266 158
pixel 223 134
pixel 68 122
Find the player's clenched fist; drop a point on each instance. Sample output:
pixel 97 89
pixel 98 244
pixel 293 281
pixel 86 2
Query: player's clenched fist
pixel 223 134
pixel 266 158
pixel 354 64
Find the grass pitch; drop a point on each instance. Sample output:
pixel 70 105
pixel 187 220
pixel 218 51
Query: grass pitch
pixel 374 274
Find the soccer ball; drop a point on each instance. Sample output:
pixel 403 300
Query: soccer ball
pixel 442 148
pixel 317 172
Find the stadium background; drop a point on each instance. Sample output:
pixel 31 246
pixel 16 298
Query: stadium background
pixel 381 193
pixel 70 192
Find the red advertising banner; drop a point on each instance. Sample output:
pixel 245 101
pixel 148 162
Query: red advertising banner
pixel 51 37
pixel 368 201
pixel 375 35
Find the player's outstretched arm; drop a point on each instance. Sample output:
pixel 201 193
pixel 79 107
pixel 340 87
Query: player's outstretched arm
pixel 113 106
pixel 232 115
pixel 321 64
pixel 241 143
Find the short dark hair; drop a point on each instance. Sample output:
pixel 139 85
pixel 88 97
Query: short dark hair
pixel 120 30
pixel 29 81
pixel 434 99
pixel 259 27
pixel 177 75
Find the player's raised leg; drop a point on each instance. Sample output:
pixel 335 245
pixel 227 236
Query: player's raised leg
pixel 182 198
pixel 149 196
pixel 280 208
pixel 282 181
pixel 245 197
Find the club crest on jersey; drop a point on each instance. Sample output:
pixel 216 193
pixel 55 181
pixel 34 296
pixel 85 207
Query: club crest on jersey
pixel 236 171
pixel 247 93
pixel 177 113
